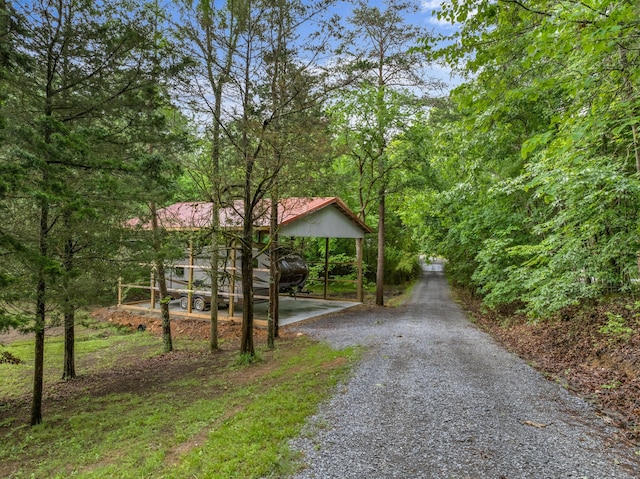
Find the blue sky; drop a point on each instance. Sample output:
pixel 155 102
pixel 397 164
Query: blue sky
pixel 429 9
pixel 426 18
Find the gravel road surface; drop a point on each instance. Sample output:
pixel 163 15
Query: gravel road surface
pixel 436 398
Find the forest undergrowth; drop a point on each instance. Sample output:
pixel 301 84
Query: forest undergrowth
pixel 593 350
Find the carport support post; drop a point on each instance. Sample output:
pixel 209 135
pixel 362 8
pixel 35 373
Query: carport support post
pixel 326 267
pixel 232 281
pixel 359 259
pixel 190 293
pixel 153 291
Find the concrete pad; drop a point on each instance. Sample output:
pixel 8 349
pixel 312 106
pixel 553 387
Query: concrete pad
pixel 292 309
pixel 297 309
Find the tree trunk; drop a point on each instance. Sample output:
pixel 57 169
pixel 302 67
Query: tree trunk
pixel 69 367
pixel 162 282
pixel 38 368
pixel 274 275
pixel 380 263
pixel 69 371
pixel 381 114
pixel 215 210
pixel 164 308
pixel 325 293
pixel 215 259
pixel 246 261
pixel 41 288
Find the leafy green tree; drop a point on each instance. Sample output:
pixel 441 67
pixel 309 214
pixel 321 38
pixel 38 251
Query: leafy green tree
pixel 552 94
pixel 387 97
pixel 163 139
pixel 72 111
pixel 212 34
pixel 257 85
pixel 11 67
pixel 273 58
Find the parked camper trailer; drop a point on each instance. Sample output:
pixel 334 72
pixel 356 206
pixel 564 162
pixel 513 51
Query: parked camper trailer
pixel 293 275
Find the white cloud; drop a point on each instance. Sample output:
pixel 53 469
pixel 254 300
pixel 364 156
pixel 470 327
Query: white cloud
pixel 432 4
pixel 442 22
pixel 431 8
pixel 439 22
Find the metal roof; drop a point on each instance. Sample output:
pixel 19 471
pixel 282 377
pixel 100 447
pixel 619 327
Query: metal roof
pixel 298 216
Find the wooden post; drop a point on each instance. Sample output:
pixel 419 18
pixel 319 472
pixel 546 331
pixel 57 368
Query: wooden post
pixel 232 281
pixel 120 291
pixel 153 291
pixel 190 283
pixel 359 259
pixel 326 267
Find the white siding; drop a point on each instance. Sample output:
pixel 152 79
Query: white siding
pixel 328 222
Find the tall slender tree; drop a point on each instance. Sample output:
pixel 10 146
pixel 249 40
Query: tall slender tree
pixel 550 116
pixel 212 34
pixel 72 112
pixel 392 82
pixel 248 48
pixel 11 68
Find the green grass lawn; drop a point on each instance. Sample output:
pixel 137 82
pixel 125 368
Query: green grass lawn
pixel 134 412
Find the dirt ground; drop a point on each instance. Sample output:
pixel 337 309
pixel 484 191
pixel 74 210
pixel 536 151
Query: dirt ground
pixel 181 327
pixel 572 349
pixel 141 370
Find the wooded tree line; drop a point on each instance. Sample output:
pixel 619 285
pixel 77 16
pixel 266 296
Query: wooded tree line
pixel 536 155
pixel 111 110
pixel 524 177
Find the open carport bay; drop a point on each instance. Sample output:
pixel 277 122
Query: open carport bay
pixel 296 309
pixel 292 309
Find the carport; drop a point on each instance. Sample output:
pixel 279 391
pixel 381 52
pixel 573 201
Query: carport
pixel 318 217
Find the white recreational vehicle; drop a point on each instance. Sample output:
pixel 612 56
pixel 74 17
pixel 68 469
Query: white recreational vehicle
pixel 307 217
pixel 193 275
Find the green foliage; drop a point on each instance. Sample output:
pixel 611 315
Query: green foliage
pixel 245 359
pixel 340 266
pixel 180 427
pixel 616 327
pixel 11 321
pixel 371 117
pixel 537 156
pixel 611 385
pixel 401 266
pixel 87 99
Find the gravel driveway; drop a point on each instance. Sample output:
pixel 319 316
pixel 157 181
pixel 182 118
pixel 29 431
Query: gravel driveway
pixel 436 398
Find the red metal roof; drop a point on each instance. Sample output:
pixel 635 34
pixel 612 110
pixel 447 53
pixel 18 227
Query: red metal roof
pixel 197 215
pixel 179 216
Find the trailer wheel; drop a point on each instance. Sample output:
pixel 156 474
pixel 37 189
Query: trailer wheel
pixel 184 302
pixel 199 304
